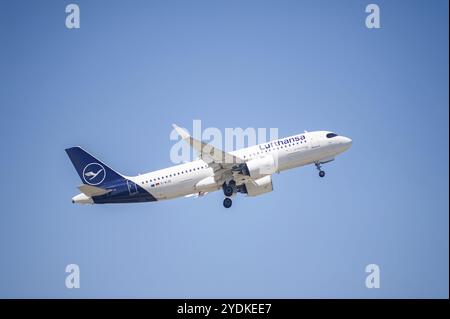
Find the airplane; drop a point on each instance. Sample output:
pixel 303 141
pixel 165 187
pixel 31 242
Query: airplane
pixel 246 171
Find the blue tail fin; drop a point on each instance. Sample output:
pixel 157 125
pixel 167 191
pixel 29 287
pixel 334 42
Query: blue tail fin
pixel 91 170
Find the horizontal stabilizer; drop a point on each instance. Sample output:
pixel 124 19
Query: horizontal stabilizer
pixel 91 191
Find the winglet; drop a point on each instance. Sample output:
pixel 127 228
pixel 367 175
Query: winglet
pixel 182 132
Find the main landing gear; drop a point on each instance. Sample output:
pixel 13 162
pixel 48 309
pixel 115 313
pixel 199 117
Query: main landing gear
pixel 228 191
pixel 319 168
pixel 227 202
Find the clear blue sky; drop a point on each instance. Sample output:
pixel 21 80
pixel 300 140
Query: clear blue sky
pixel 117 84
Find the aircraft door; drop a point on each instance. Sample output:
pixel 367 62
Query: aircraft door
pixel 314 142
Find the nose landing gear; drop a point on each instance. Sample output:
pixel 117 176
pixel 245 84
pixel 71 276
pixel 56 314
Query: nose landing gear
pixel 319 168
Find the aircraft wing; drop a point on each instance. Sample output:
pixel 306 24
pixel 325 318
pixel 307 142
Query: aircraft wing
pixel 222 162
pixel 90 191
pixel 208 152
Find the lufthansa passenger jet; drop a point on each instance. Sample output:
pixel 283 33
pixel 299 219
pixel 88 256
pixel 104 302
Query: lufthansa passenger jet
pixel 247 171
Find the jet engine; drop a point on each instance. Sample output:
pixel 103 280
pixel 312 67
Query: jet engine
pixel 259 186
pixel 258 167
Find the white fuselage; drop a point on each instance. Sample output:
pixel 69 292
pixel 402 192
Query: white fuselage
pixel 197 177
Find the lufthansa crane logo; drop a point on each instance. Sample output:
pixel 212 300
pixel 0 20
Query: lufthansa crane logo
pixel 94 174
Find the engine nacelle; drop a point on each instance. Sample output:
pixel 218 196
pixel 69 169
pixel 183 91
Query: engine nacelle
pixel 259 186
pixel 260 167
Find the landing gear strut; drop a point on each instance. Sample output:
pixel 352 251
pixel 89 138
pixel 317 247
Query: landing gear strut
pixel 319 168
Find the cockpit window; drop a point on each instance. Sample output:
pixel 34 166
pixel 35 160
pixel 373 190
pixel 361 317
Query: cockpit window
pixel 330 135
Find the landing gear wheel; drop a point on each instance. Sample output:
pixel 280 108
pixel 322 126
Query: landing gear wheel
pixel 228 190
pixel 227 202
pixel 319 168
